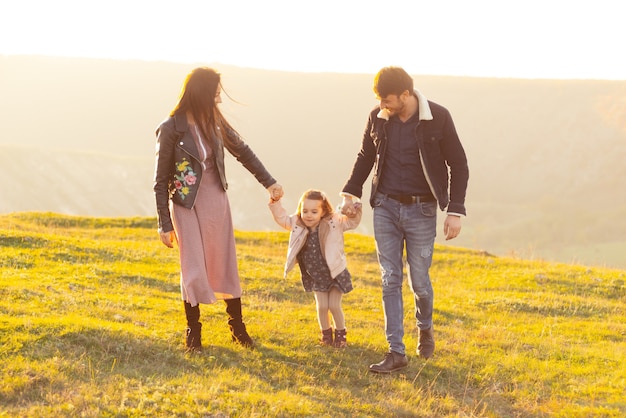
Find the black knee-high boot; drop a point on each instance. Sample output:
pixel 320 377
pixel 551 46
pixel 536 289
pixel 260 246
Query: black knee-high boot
pixel 193 334
pixel 235 322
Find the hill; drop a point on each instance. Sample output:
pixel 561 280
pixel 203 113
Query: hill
pixel 545 155
pixel 91 324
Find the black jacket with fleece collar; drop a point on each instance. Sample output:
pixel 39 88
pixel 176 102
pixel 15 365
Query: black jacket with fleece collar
pixel 440 151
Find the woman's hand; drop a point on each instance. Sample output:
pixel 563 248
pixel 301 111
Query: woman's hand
pixel 276 192
pixel 168 238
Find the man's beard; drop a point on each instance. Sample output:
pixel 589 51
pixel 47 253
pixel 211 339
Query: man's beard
pixel 397 110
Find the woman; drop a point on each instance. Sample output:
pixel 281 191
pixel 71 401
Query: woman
pixel 190 173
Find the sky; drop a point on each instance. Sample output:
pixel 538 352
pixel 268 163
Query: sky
pixel 535 39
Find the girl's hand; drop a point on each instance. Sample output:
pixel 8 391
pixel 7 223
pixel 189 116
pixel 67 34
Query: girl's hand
pixel 355 210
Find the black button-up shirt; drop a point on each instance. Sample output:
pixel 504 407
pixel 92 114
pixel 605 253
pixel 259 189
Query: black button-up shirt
pixel 403 172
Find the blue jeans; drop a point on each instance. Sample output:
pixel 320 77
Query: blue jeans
pixel 397 225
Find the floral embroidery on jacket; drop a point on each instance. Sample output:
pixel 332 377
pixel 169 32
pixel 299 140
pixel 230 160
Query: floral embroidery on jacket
pixel 184 178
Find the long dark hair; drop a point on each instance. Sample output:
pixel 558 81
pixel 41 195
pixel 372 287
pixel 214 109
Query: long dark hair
pixel 197 96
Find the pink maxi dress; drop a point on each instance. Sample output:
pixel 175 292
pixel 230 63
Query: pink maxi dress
pixel 206 239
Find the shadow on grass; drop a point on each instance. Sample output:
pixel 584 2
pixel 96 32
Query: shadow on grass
pixel 133 355
pixel 344 372
pixel 23 241
pixel 101 356
pixel 592 287
pixel 104 357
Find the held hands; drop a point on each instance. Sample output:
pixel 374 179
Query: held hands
pixel 349 207
pixel 276 192
pixel 452 227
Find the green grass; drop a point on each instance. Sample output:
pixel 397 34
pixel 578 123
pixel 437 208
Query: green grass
pixel 91 325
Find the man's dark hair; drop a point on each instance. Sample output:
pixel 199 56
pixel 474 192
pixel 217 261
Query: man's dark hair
pixel 392 80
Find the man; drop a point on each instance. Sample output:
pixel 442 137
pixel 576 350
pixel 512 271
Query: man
pixel 418 162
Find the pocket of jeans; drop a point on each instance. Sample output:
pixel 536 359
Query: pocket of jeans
pixel 378 199
pixel 429 209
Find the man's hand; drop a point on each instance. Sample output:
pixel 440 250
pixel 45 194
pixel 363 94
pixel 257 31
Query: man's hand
pixel 347 206
pixel 452 227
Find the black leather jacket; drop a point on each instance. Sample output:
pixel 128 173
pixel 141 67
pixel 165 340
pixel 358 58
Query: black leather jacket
pixel 179 170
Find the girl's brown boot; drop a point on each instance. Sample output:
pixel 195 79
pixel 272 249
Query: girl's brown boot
pixel 340 338
pixel 327 337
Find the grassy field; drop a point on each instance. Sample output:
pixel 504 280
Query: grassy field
pixel 91 325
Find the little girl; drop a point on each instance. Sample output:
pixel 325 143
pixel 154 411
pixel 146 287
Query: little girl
pixel 316 244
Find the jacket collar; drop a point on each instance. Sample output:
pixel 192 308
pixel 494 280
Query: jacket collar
pixel 180 122
pixel 423 106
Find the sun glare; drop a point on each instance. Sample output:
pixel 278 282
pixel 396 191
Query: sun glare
pixel 484 38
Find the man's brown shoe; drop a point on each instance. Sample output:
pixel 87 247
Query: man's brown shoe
pixel 426 344
pixel 393 361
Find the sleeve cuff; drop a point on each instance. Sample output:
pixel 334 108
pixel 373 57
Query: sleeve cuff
pixel 344 194
pixel 460 215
